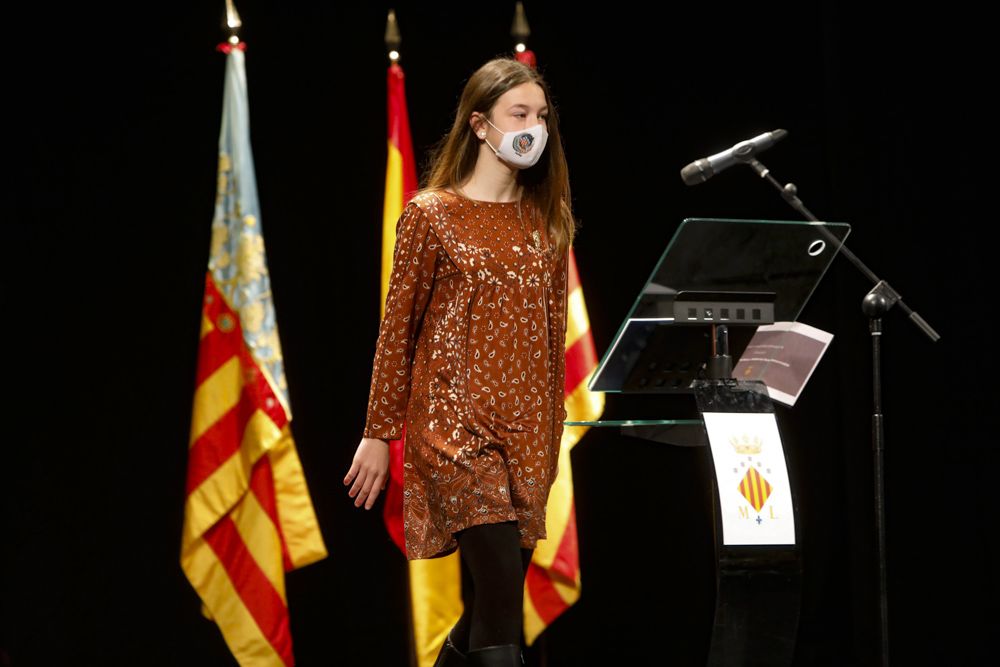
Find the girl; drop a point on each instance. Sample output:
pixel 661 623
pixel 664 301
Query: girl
pixel 471 353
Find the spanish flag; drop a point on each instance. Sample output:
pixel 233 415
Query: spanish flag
pixel 248 517
pixel 435 584
pixel 400 184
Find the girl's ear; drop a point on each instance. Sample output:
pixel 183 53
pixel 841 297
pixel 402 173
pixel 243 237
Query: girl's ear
pixel 478 123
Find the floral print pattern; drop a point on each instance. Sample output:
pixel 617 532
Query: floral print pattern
pixel 471 355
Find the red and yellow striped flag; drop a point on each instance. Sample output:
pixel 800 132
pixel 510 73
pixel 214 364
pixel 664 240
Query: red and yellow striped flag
pixel 248 517
pixel 553 581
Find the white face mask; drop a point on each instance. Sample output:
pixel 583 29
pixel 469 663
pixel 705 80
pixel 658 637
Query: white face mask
pixel 521 147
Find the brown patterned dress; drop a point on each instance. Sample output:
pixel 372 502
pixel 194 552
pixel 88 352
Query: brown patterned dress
pixel 471 354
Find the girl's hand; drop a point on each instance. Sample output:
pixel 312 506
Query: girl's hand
pixel 369 471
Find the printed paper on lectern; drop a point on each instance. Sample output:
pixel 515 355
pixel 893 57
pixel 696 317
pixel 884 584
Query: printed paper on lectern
pixel 783 356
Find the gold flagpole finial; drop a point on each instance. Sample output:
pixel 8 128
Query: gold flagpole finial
pixel 520 30
pixel 392 38
pixel 233 22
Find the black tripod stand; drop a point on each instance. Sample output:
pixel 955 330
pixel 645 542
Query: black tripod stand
pixel 875 305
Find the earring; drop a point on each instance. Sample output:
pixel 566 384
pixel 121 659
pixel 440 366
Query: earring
pixel 482 135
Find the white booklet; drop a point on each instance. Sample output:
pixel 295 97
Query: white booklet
pixel 783 356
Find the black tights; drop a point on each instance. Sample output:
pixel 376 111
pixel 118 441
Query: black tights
pixel 493 570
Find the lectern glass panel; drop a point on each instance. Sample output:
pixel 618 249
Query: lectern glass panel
pixel 714 271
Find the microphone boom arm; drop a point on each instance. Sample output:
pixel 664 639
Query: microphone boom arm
pixel 891 297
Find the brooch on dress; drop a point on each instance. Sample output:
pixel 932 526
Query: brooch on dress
pixel 536 236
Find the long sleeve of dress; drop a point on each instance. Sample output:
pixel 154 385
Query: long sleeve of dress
pixel 409 291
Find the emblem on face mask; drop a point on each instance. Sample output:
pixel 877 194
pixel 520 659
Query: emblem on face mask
pixel 523 142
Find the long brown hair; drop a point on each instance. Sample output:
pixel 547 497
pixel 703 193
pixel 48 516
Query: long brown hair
pixel 545 185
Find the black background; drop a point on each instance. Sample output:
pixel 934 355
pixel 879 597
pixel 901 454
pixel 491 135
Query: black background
pixel 111 158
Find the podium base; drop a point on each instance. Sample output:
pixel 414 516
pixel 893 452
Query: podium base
pixel 757 607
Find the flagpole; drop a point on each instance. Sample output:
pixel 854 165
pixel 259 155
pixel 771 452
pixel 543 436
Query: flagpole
pixel 392 41
pixel 520 31
pixel 233 22
pixel 553 581
pixel 392 37
pixel 246 497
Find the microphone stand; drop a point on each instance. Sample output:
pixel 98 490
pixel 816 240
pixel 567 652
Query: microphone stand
pixel 875 305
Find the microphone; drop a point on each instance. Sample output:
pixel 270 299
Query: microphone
pixel 701 170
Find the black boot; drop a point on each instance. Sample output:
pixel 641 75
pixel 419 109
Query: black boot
pixel 450 656
pixel 502 655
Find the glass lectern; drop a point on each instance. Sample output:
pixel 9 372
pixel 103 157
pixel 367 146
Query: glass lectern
pixel 717 280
